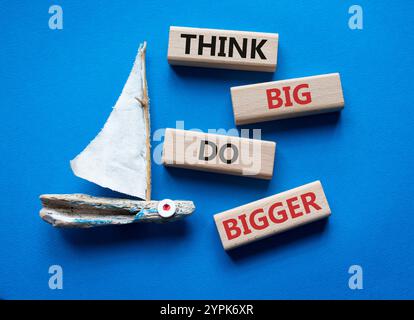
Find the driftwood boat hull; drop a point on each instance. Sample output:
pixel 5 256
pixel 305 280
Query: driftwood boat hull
pixel 84 211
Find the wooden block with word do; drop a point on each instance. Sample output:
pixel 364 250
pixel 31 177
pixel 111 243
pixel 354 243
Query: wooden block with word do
pixel 226 49
pixel 271 215
pixel 287 98
pixel 219 153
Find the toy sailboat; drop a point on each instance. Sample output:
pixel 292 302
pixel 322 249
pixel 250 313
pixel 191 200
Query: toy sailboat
pixel 119 158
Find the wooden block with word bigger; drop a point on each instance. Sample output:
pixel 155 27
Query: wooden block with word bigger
pixel 271 215
pixel 218 153
pixel 226 49
pixel 287 98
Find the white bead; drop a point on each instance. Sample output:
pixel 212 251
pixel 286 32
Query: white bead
pixel 166 212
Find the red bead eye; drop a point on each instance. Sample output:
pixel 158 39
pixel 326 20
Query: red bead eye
pixel 166 208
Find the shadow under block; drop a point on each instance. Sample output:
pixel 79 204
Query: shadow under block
pixel 272 215
pixel 225 49
pixel 218 153
pixel 287 98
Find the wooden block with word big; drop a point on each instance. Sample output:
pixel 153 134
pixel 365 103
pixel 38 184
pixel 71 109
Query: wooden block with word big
pixel 218 153
pixel 271 215
pixel 226 49
pixel 287 98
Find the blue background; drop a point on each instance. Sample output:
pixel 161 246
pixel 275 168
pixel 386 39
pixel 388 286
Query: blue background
pixel 57 90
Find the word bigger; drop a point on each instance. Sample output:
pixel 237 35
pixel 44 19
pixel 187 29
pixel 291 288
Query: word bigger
pixel 218 153
pixel 272 215
pixel 287 98
pixel 225 49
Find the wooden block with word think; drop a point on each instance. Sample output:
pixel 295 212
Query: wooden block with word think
pixel 287 98
pixel 226 49
pixel 219 153
pixel 271 215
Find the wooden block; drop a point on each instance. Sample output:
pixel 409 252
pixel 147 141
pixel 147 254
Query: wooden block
pixel 219 153
pixel 225 49
pixel 271 215
pixel 287 98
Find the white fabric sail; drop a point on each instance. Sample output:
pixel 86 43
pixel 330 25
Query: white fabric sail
pixel 119 156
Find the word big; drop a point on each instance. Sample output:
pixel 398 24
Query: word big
pixel 287 98
pixel 274 99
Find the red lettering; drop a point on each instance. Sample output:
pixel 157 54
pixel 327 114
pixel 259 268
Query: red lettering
pixel 246 229
pixel 292 207
pixel 306 96
pixel 288 102
pixel 273 95
pixel 278 213
pixel 231 228
pixel 274 100
pixel 281 213
pixel 263 220
pixel 311 202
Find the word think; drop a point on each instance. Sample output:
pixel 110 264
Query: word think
pixel 226 46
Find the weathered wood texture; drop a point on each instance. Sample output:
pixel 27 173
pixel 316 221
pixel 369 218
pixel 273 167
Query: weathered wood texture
pixel 84 211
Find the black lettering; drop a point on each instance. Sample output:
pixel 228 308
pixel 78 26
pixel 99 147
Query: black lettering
pixel 213 154
pixel 258 49
pixel 202 45
pixel 222 52
pixel 188 38
pixel 235 153
pixel 233 43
